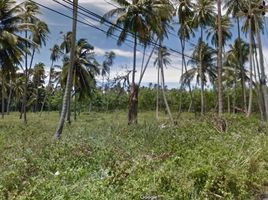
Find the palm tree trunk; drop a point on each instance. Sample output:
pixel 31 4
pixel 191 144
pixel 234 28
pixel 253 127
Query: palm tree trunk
pixel 229 104
pixel 250 67
pixel 243 85
pixel 67 93
pixel 32 57
pixel 201 76
pixel 133 96
pixel 160 63
pixel 189 84
pixel 258 88
pixel 9 99
pixel 3 95
pixel 182 71
pixel 75 104
pixel 263 77
pixel 219 60
pixel 157 94
pixel 24 101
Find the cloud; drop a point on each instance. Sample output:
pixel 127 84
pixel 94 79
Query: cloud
pixel 118 52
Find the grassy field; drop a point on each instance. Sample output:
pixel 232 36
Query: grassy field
pixel 100 157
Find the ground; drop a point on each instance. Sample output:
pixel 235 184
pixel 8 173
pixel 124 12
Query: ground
pixel 100 157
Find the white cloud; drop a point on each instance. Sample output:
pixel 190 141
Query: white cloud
pixel 118 52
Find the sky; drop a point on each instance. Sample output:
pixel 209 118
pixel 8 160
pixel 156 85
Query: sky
pixel 124 53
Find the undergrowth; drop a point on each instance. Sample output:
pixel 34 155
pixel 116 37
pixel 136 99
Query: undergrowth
pixel 100 157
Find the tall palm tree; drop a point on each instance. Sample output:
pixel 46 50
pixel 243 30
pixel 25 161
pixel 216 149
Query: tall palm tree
pixel 204 15
pixel 161 61
pixel 39 36
pixel 86 68
pixel 220 28
pixel 29 14
pixel 185 14
pixel 54 56
pixel 233 7
pixel 232 65
pixel 136 18
pixel 38 79
pixel 254 23
pixel 11 43
pixel 67 93
pixel 203 71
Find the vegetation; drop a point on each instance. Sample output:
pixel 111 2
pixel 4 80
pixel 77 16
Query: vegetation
pixel 208 139
pixel 97 159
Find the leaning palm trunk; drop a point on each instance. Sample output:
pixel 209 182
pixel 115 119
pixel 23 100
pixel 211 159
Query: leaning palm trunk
pixel 182 71
pixel 164 96
pixel 67 93
pixel 263 77
pixel 160 63
pixel 250 70
pixel 133 95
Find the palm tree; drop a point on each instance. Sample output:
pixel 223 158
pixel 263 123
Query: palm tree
pixel 11 43
pixel 253 12
pixel 233 7
pixel 39 36
pixel 232 65
pixel 161 61
pixel 67 94
pixel 54 56
pixel 201 70
pixel 203 16
pixel 86 68
pixel 185 13
pixel 38 79
pixel 29 15
pixel 220 28
pixel 138 19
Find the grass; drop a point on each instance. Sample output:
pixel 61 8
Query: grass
pixel 100 157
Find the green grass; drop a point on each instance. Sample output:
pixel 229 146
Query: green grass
pixel 100 157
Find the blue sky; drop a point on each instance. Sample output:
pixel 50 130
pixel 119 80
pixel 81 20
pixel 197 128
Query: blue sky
pixel 102 44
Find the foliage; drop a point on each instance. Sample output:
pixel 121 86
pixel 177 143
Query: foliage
pixel 99 157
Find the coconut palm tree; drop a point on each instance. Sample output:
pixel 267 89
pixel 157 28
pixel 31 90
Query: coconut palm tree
pixel 203 71
pixel 39 36
pixel 54 56
pixel 38 79
pixel 254 22
pixel 11 43
pixel 67 93
pixel 204 15
pixel 232 69
pixel 219 28
pixel 233 7
pixel 86 68
pixel 161 61
pixel 29 15
pixel 185 14
pixel 137 18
